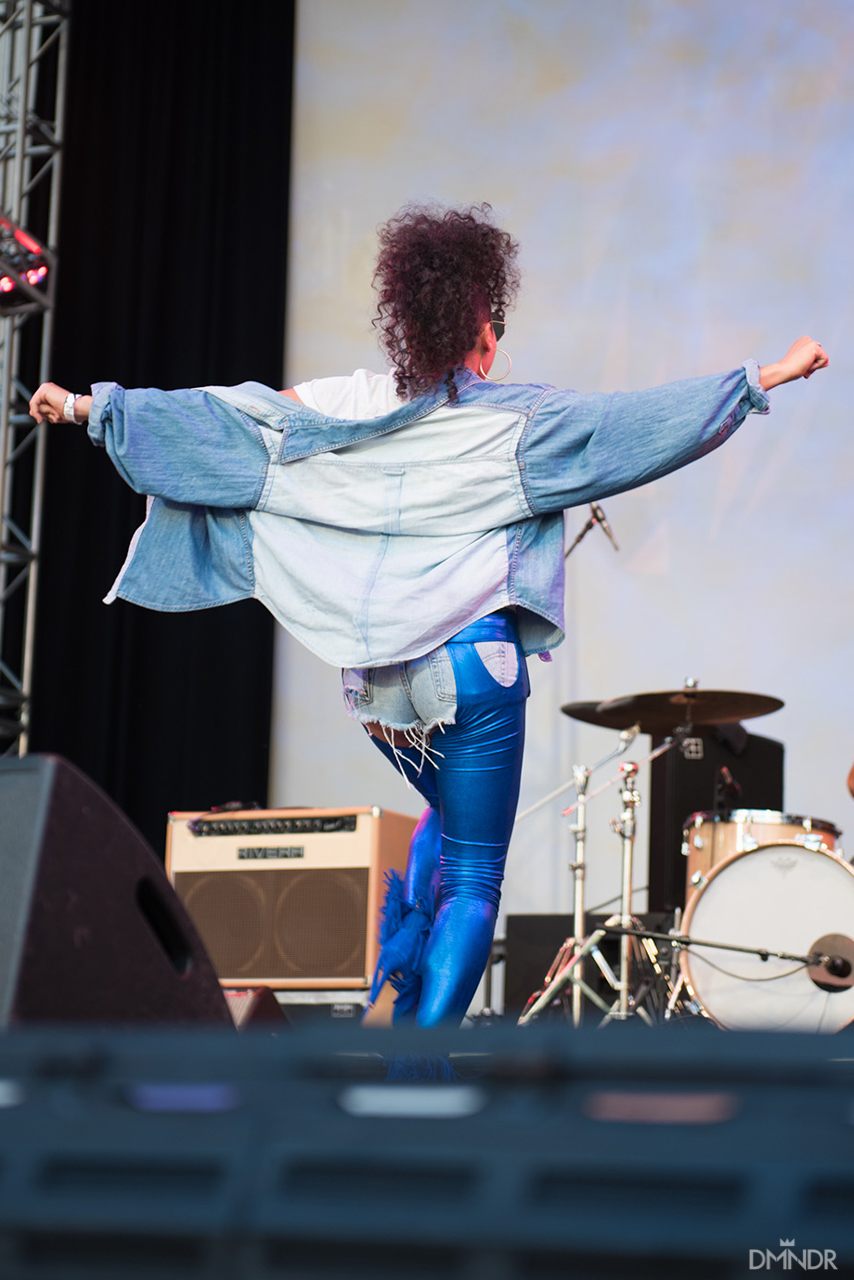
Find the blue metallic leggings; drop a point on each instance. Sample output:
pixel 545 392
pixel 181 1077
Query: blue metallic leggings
pixel 458 849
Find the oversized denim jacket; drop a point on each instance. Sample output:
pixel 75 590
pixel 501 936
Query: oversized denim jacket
pixel 375 541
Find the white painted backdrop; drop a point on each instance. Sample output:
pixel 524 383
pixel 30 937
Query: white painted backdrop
pixel 679 174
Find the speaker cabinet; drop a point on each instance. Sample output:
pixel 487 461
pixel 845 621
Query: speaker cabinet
pixel 288 897
pixel 90 928
pixel 683 782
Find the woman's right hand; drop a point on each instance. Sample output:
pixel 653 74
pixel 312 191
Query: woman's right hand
pixel 802 360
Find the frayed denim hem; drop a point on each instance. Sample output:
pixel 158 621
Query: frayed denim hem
pixel 417 734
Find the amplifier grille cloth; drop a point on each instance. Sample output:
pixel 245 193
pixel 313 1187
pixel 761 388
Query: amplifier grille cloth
pixel 306 923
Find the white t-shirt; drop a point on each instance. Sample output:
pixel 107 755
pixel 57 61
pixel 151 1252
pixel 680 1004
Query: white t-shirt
pixel 358 395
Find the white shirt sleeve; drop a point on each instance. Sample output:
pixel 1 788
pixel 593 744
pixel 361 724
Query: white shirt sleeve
pixel 361 395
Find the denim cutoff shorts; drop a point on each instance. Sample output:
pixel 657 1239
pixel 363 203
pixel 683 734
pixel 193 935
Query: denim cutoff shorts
pixel 422 694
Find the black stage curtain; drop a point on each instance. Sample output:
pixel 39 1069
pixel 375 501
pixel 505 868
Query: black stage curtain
pixel 172 274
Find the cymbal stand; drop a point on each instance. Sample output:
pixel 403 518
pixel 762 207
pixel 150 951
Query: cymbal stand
pixel 579 831
pixel 567 966
pixel 581 945
pixel 628 1004
pixel 625 827
pixel 627 737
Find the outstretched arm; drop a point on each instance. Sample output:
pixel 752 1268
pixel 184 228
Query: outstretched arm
pixel 582 448
pixel 186 445
pixel 802 360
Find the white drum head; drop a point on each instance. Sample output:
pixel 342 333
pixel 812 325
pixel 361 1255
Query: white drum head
pixel 783 898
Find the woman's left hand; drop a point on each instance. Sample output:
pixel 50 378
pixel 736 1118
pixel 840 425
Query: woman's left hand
pixel 48 403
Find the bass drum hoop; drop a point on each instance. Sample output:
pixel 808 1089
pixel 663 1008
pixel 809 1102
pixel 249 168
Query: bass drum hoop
pixel 725 958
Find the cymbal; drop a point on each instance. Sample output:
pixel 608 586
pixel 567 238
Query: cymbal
pixel 660 712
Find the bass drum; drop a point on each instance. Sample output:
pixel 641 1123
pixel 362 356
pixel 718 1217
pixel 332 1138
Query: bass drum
pixel 782 897
pixel 708 838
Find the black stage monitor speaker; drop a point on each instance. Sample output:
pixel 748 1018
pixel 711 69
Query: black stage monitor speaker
pixel 630 1153
pixel 90 928
pixel 685 782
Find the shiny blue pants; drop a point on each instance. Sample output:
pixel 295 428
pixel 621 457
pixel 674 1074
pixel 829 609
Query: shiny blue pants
pixel 452 887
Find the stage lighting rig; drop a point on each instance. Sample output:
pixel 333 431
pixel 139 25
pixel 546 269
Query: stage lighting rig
pixel 26 271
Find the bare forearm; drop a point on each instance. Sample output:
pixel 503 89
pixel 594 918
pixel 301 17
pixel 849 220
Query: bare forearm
pixel 802 360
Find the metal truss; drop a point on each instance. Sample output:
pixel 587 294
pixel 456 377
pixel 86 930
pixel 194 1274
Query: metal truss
pixel 33 62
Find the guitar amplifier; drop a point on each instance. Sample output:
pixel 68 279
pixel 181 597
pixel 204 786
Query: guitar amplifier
pixel 287 897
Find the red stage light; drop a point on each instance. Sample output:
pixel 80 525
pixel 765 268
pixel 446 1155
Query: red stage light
pixel 27 241
pixel 24 266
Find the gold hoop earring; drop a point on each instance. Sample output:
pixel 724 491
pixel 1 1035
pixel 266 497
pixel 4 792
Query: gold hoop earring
pixel 499 351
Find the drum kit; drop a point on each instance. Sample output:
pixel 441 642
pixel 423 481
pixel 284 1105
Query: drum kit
pixel 766 940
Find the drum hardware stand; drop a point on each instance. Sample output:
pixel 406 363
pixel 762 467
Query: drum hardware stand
pixel 657 980
pixel 567 967
pixel 573 948
pixel 579 949
pixel 667 745
pixel 625 826
pixel 627 736
pixel 626 1005
pixel 579 831
pixel 562 973
pixel 680 999
pixel 629 1003
pixel 675 993
pixel 677 977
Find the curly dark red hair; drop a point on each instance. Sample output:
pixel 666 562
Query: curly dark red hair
pixel 440 275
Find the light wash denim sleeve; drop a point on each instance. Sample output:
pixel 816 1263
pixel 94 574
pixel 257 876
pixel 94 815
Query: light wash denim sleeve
pixel 581 448
pixel 188 557
pixel 187 446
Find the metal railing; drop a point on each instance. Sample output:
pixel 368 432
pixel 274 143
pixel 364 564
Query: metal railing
pixel 33 70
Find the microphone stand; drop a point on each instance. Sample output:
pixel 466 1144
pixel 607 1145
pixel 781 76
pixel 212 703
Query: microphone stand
pixel 682 940
pixel 597 516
